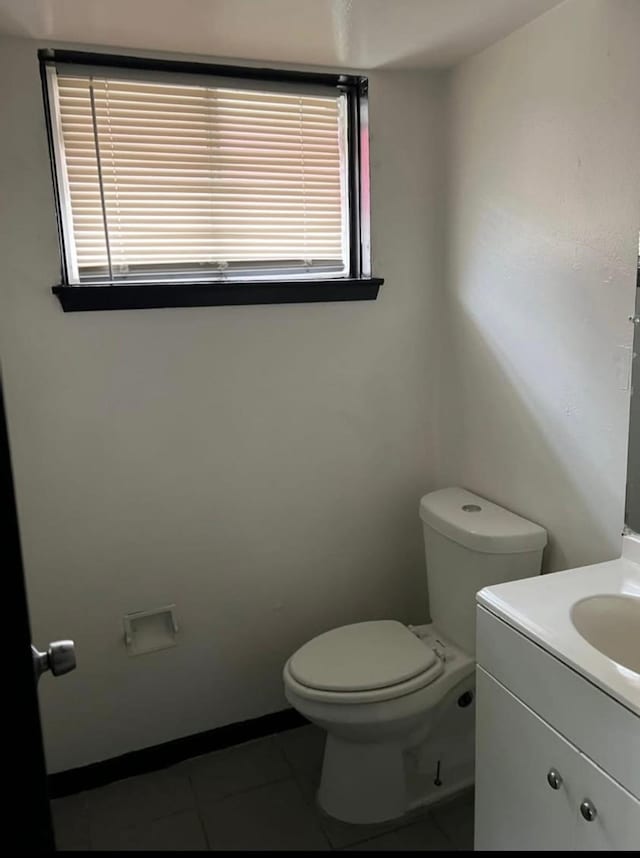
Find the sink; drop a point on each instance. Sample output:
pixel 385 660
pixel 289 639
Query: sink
pixel 611 624
pixel 588 618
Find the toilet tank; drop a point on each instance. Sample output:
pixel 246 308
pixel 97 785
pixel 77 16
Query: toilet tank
pixel 471 543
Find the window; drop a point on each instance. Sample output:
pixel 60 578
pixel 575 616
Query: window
pixel 178 183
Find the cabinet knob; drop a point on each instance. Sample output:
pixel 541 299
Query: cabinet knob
pixel 554 779
pixel 588 810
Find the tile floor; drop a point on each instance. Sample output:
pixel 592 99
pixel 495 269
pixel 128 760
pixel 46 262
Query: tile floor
pixel 258 796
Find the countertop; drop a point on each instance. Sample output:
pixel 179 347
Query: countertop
pixel 540 608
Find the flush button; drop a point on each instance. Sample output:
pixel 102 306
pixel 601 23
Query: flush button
pixel 471 507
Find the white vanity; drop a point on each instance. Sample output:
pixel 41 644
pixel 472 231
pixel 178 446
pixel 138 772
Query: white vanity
pixel 558 710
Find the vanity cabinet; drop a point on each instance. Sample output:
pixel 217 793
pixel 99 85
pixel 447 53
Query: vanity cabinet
pixel 532 784
pixel 535 788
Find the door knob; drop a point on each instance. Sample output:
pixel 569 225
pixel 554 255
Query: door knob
pixel 588 810
pixel 59 658
pixel 554 779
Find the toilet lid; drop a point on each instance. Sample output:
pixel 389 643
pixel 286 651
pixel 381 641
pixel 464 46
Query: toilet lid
pixel 361 657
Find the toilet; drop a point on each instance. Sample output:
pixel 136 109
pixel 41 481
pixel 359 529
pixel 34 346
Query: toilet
pixel 395 700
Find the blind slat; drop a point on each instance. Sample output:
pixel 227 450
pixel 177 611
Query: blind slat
pixel 193 178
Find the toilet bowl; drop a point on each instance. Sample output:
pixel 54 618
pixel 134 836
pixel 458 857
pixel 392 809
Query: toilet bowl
pixel 396 701
pixel 363 777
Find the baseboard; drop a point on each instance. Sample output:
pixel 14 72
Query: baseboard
pixel 169 753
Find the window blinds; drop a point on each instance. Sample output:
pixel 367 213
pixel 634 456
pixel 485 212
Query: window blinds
pixel 176 181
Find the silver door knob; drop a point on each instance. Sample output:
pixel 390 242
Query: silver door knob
pixel 59 658
pixel 588 810
pixel 554 779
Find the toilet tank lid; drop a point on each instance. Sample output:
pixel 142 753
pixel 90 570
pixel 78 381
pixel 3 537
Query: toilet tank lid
pixel 478 524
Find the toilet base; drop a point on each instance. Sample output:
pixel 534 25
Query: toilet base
pixel 361 787
pixel 362 783
pixel 366 782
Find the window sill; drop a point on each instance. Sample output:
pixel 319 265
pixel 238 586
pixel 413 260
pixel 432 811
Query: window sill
pixel 124 296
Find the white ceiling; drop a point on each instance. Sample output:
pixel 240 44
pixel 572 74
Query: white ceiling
pixel 360 34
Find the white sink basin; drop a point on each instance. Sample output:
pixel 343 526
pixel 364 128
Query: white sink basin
pixel 611 624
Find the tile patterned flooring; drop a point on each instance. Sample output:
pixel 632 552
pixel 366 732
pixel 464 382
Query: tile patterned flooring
pixel 257 796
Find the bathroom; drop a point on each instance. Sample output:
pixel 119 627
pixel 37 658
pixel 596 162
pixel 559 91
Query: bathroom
pixel 260 466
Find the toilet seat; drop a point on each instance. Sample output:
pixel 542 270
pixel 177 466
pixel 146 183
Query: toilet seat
pixel 361 657
pixel 363 663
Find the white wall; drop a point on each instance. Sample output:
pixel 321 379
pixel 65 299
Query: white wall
pixel 259 466
pixel 544 217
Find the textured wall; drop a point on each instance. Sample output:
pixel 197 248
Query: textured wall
pixel 544 217
pixel 259 466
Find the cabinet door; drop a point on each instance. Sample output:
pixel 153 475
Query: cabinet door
pixel 616 824
pixel 516 807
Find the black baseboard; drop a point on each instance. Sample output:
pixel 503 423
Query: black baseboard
pixel 169 753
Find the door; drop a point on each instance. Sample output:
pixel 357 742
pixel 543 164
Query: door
pixel 609 818
pixel 26 817
pixel 525 776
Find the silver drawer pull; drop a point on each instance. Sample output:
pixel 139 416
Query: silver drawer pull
pixel 554 779
pixel 588 810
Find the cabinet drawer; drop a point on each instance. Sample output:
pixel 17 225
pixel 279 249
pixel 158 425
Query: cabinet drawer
pixel 597 724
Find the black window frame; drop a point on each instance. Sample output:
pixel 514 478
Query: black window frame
pixel 359 285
